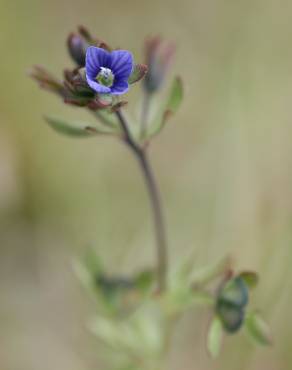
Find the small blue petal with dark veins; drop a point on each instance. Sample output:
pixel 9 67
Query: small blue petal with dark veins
pixel 119 62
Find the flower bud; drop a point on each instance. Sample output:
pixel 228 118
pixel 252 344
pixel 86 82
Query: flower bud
pixel 77 46
pixel 159 55
pixel 46 80
pixel 79 42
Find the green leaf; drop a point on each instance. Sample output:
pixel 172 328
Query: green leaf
pixel 138 73
pixel 108 119
pixel 173 103
pixel 258 329
pixel 93 263
pixel 89 269
pixel 176 96
pixel 250 278
pixel 144 280
pixel 73 129
pixel 215 336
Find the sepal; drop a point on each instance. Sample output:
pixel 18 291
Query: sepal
pixel 139 71
pixel 101 101
pixel 250 278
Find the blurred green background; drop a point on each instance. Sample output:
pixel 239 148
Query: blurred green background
pixel 224 164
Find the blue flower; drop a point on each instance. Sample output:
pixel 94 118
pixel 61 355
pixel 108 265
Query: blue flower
pixel 108 72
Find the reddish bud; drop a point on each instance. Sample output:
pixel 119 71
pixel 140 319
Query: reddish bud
pixel 159 55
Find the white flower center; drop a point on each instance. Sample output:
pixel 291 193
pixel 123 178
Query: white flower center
pixel 105 77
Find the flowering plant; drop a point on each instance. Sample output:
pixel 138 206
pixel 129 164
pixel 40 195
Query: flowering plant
pixel 136 314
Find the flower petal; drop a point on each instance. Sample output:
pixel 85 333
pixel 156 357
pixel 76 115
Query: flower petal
pixel 121 63
pixel 95 58
pixel 119 88
pixel 98 87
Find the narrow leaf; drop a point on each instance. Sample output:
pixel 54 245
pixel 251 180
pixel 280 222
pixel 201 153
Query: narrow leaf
pixel 176 95
pixel 173 103
pixel 215 336
pixel 258 329
pixel 73 129
pixel 144 280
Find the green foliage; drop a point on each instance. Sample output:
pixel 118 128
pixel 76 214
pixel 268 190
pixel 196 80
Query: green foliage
pixel 133 318
pixel 176 96
pixel 74 129
pixel 258 329
pixel 250 278
pixel 172 105
pixel 136 340
pixel 144 280
pixel 215 336
pixel 104 100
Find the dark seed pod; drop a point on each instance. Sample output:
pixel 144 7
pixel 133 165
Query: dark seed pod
pixel 231 316
pixel 231 301
pixel 235 292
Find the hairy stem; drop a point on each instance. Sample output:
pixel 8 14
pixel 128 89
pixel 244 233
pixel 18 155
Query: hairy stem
pixel 154 197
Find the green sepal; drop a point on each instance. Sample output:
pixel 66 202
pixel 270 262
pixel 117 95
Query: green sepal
pixel 215 336
pixel 105 100
pixel 250 278
pixel 258 329
pixel 139 71
pixel 74 129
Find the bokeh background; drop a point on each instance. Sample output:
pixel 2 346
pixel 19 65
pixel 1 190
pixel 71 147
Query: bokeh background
pixel 224 164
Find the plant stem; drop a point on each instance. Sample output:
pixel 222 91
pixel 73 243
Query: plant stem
pixel 145 113
pixel 154 200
